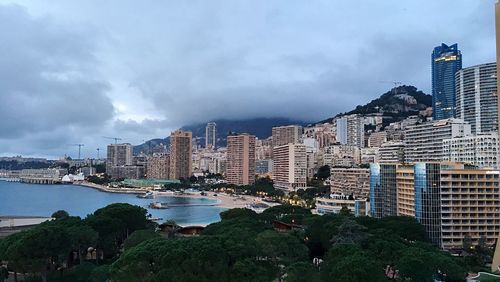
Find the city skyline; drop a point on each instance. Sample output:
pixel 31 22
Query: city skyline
pixel 100 75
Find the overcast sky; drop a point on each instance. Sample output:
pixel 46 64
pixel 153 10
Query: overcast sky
pixel 74 71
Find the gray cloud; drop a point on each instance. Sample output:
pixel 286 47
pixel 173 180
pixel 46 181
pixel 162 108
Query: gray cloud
pixel 73 72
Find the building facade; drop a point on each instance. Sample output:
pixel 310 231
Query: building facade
pixel 446 61
pixel 478 150
pixel 240 168
pixel 283 135
pixel 158 167
pixel 476 98
pixel 383 190
pixel 448 199
pixel 350 181
pixel 424 142
pixel 290 167
pixel 181 154
pixel 391 152
pixel 351 130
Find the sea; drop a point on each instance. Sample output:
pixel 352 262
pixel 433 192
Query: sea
pixel 22 199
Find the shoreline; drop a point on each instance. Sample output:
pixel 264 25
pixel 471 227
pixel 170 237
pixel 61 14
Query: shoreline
pixel 222 200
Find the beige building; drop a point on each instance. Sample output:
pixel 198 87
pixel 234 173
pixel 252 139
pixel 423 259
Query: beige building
pixel 283 135
pixel 290 167
pixel 405 183
pixel 376 139
pixel 180 154
pixel 158 167
pixel 391 152
pixel 350 181
pixel 240 168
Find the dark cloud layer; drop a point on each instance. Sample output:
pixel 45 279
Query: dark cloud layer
pixel 72 71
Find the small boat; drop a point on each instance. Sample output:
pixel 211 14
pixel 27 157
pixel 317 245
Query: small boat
pixel 156 219
pixel 157 206
pixel 148 195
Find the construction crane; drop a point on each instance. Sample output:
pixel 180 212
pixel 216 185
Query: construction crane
pixel 79 149
pixel 98 149
pixel 113 138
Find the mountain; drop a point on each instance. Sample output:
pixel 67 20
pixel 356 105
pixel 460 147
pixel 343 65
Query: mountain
pixel 396 104
pixel 260 127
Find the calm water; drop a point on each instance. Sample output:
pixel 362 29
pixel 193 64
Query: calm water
pixel 43 200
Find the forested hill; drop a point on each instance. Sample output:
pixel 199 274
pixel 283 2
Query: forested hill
pixel 398 103
pixel 400 100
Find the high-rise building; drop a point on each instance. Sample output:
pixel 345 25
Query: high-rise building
pixel 424 142
pixel 240 168
pixel 290 167
pixel 476 98
pixel 180 154
pixel 283 135
pixel 376 139
pixel 478 150
pixel 158 167
pixel 446 61
pixel 383 190
pixel 211 135
pixel 119 155
pixel 351 130
pixel 449 200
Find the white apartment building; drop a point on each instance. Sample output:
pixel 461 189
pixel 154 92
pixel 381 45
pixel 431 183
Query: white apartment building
pixel 480 150
pixel 424 142
pixel 476 97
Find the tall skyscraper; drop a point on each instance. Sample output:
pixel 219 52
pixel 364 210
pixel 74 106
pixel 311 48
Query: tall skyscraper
pixel 211 135
pixel 476 99
pixel 180 154
pixel 283 135
pixel 240 168
pixel 446 61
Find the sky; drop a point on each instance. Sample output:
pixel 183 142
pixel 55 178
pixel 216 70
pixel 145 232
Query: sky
pixel 75 71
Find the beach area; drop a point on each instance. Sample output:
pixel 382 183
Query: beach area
pixel 223 200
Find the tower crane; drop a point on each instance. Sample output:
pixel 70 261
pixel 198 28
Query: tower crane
pixel 79 149
pixel 113 138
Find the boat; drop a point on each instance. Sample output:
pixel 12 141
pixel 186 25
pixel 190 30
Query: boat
pixel 148 195
pixel 156 219
pixel 157 206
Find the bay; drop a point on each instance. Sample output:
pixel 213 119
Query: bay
pixel 22 199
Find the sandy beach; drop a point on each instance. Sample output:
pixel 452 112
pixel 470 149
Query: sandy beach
pixel 227 201
pixel 223 200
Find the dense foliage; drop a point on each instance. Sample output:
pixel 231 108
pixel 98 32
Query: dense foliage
pixel 243 246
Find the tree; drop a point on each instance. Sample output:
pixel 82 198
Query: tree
pixel 467 243
pixel 323 172
pixel 349 232
pixel 4 273
pixel 238 213
pixel 350 263
pixel 302 272
pixel 345 211
pixel 60 214
pixel 138 237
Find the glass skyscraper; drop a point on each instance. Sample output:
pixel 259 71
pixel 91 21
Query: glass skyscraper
pixel 446 61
